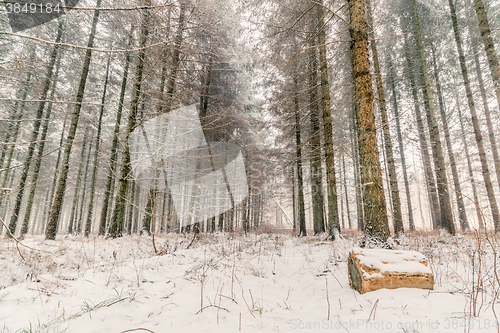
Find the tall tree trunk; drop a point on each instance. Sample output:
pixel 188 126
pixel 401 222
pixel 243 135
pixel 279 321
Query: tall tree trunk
pixel 34 134
pixel 394 100
pixel 315 159
pixel 88 223
pixel 489 124
pixel 462 216
pixel 116 223
pixel 298 152
pixel 331 181
pixel 374 206
pixel 475 123
pixel 424 146
pixel 108 193
pixel 39 157
pixel 393 178
pixel 469 166
pixel 489 47
pixel 437 151
pixel 51 230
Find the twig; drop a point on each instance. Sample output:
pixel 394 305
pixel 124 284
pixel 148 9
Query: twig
pixel 137 329
pixel 327 299
pixel 154 245
pixel 212 306
pixel 374 309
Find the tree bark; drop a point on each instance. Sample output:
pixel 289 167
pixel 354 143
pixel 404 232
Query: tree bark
pixel 374 206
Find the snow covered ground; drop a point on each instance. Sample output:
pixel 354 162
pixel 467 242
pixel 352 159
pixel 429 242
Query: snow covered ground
pixel 232 283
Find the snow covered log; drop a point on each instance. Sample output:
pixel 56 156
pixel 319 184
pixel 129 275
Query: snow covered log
pixel 373 269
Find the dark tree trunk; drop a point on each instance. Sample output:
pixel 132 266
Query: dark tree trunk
pixel 52 225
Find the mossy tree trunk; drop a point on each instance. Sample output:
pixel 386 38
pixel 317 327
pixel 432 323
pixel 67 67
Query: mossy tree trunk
pixel 374 206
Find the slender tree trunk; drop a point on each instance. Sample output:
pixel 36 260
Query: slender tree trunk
pixel 424 146
pixel 475 122
pixel 51 231
pixel 393 178
pixel 437 152
pixel 462 216
pixel 469 167
pixel 298 152
pixel 357 174
pixel 39 157
pixel 34 134
pixel 108 193
pixel 489 46
pixel 489 124
pixel 374 206
pixel 88 223
pixel 78 227
pixel 401 146
pixel 116 223
pixel 315 159
pixel 346 196
pixel 333 210
pixel 50 198
pixel 17 128
pixel 77 186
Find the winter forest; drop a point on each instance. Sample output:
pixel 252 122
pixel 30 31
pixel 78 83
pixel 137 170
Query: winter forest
pixel 203 165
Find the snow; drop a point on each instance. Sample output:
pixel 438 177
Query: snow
pixel 392 261
pixel 256 283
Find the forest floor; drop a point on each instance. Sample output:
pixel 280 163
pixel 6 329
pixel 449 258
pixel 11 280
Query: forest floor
pixel 232 282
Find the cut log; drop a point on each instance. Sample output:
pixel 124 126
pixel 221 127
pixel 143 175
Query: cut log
pixel 373 269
